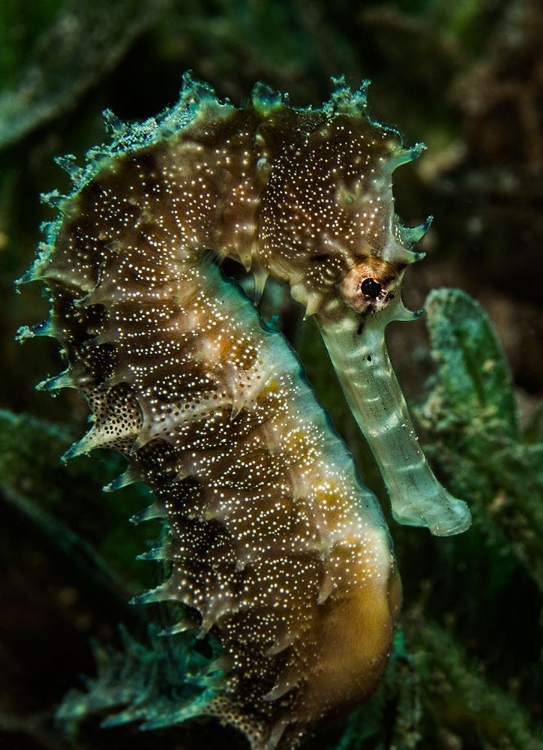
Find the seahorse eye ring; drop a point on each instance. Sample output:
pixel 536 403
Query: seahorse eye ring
pixel 371 288
pixel 369 285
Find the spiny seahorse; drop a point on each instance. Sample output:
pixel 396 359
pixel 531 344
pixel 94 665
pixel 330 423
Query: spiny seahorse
pixel 275 546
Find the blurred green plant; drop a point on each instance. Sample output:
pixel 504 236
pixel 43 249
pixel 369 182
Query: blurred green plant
pixel 472 425
pixel 59 69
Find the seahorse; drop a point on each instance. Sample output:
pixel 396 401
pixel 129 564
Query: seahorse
pixel 275 546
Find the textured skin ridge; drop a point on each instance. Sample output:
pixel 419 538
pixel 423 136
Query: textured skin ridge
pixel 274 545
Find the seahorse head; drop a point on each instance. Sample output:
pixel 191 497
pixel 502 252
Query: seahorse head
pixel 327 221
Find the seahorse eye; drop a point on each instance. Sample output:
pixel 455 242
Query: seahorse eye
pixel 371 288
pixel 370 285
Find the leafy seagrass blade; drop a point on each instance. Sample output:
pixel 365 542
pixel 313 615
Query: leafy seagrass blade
pixel 472 427
pixel 472 366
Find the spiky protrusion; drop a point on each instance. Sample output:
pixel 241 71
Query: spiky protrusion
pixel 66 379
pixel 345 100
pixel 409 236
pixel 69 165
pixel 265 100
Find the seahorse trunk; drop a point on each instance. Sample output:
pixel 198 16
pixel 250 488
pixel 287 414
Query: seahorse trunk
pixel 274 545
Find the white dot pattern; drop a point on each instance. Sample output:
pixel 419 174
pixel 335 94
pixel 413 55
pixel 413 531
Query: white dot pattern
pixel 271 534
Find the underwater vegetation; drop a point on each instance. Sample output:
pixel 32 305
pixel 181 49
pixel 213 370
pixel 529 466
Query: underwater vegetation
pixel 465 664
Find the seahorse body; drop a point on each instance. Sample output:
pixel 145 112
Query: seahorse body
pixel 275 546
